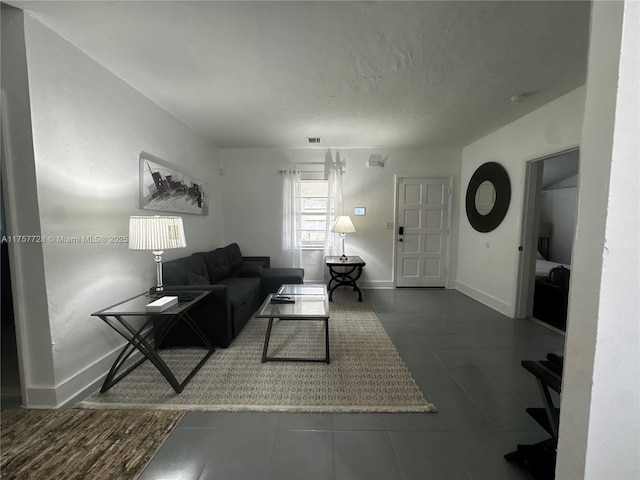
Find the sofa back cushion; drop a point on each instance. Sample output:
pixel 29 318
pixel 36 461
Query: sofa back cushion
pixel 217 264
pixel 235 256
pixel 179 271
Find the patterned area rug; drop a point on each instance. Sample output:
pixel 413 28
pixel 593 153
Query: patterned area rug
pixel 366 373
pixel 81 444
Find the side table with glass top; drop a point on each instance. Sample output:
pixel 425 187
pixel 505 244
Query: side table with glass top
pixel 138 338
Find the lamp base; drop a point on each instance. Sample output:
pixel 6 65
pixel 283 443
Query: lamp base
pixel 343 257
pixel 157 256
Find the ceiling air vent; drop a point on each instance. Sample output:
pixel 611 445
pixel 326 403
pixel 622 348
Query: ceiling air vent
pixel 313 139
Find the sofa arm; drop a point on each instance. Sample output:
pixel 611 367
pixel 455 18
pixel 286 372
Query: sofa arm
pixel 264 261
pixel 273 278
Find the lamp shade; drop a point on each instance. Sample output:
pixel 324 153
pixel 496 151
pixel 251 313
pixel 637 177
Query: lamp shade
pixel 156 233
pixel 343 225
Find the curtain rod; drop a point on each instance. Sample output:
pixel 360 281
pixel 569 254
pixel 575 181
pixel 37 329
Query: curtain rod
pixel 284 172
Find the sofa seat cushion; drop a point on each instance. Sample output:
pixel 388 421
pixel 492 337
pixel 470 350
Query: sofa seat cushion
pixel 241 290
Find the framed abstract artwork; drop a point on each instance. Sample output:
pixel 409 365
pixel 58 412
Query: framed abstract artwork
pixel 164 187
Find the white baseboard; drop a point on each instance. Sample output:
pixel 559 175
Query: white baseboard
pixel 76 388
pixel 89 380
pixel 377 284
pixel 485 299
pixel 370 285
pixel 40 397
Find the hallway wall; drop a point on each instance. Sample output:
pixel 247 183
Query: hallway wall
pixel 488 262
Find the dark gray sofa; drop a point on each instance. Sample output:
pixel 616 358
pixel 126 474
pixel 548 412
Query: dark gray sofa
pixel 238 285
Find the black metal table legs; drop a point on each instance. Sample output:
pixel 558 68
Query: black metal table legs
pixel 139 341
pixel 539 459
pixel 266 358
pixel 346 278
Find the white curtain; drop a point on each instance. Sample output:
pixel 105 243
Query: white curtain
pixel 334 207
pixel 291 218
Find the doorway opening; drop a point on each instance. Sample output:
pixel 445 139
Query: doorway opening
pixel 11 396
pixel 548 231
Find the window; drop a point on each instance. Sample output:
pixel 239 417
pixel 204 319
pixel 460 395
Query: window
pixel 313 213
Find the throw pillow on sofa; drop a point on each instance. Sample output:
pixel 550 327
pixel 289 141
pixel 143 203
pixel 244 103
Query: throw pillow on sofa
pixel 176 272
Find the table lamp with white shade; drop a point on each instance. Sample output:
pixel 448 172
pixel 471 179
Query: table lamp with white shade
pixel 157 234
pixel 343 225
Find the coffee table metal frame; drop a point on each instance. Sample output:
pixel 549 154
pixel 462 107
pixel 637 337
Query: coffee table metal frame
pixel 138 337
pixel 295 312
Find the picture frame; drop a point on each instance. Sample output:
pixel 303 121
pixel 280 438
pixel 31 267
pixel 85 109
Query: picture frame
pixel 165 187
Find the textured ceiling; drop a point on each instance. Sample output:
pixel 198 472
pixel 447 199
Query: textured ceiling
pixel 357 74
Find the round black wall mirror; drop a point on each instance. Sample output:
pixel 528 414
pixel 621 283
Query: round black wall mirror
pixel 488 197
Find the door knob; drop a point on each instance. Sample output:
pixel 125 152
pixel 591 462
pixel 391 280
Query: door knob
pixel 400 240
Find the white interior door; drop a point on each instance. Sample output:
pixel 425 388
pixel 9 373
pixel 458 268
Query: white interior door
pixel 422 231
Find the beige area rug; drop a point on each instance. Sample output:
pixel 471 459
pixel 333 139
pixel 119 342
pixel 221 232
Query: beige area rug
pixel 366 373
pixel 81 444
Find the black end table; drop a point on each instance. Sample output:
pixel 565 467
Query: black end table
pixel 138 337
pixel 345 273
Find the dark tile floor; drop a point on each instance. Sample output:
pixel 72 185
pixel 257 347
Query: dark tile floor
pixel 465 358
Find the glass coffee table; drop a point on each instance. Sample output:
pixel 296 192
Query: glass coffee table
pixel 295 307
pixel 303 289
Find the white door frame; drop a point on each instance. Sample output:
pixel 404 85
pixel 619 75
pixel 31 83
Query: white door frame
pixel 398 178
pixel 528 235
